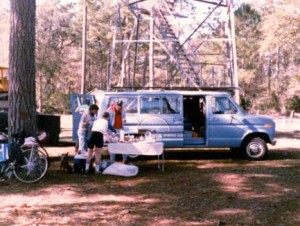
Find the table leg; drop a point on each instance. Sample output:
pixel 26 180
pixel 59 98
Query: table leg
pixel 161 163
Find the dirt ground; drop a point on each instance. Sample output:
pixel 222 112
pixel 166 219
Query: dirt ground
pixel 198 187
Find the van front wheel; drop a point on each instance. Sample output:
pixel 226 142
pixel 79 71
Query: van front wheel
pixel 255 149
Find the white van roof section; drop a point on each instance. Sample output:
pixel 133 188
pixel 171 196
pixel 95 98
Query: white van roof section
pixel 160 92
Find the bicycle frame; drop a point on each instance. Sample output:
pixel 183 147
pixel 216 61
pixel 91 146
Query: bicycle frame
pixel 26 161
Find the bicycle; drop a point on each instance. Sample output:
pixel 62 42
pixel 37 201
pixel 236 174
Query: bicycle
pixel 25 160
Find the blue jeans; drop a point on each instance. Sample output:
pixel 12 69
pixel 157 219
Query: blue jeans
pixel 82 140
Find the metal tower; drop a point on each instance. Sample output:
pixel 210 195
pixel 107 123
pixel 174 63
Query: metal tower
pixel 176 44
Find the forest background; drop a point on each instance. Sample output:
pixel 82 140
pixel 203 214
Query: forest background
pixel 267 38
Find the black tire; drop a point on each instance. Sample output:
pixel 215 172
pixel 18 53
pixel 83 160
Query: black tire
pixel 255 149
pixel 33 168
pixel 44 152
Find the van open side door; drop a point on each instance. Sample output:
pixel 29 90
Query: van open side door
pixel 194 129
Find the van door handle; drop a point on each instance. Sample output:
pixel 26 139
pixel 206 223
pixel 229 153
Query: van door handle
pixel 215 119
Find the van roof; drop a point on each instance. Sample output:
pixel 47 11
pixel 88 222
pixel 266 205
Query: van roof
pixel 181 92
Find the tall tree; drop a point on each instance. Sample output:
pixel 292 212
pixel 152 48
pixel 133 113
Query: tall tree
pixel 248 34
pixel 22 103
pixel 57 51
pixel 279 49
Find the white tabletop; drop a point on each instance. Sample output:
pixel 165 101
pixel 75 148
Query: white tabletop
pixel 136 148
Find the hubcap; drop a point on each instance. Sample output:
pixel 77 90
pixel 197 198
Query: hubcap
pixel 255 149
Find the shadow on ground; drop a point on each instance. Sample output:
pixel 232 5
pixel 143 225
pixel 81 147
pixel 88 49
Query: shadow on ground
pixel 288 134
pixel 197 188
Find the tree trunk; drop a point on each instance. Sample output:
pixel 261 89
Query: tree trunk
pixel 83 60
pixel 112 54
pixel 22 102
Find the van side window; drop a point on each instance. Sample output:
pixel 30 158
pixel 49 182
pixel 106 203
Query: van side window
pixel 129 103
pixel 222 105
pixel 170 105
pixel 150 105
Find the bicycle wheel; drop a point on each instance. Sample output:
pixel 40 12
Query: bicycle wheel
pixel 33 168
pixel 45 153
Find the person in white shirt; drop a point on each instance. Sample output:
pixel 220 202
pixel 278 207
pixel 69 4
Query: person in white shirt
pixel 100 127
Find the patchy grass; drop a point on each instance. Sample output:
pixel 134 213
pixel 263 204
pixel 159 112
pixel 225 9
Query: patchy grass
pixel 197 188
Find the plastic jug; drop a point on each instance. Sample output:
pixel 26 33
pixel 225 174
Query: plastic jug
pixel 122 135
pixel 148 136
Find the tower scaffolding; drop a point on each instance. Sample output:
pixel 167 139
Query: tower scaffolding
pixel 176 44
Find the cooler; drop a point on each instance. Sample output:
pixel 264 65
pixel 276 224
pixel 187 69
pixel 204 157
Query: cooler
pixel 79 163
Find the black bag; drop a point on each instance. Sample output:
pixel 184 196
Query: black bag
pixel 15 153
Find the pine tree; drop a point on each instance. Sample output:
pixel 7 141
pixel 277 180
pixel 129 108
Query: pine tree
pixel 22 104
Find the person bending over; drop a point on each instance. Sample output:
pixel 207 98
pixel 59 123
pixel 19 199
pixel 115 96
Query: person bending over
pixel 96 141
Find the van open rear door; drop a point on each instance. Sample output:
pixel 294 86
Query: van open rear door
pixel 79 104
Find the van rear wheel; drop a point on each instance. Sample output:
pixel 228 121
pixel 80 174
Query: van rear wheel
pixel 255 149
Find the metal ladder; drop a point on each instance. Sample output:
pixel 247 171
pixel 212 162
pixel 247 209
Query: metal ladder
pixel 177 54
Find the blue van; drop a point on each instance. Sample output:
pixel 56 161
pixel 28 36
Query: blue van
pixel 186 119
